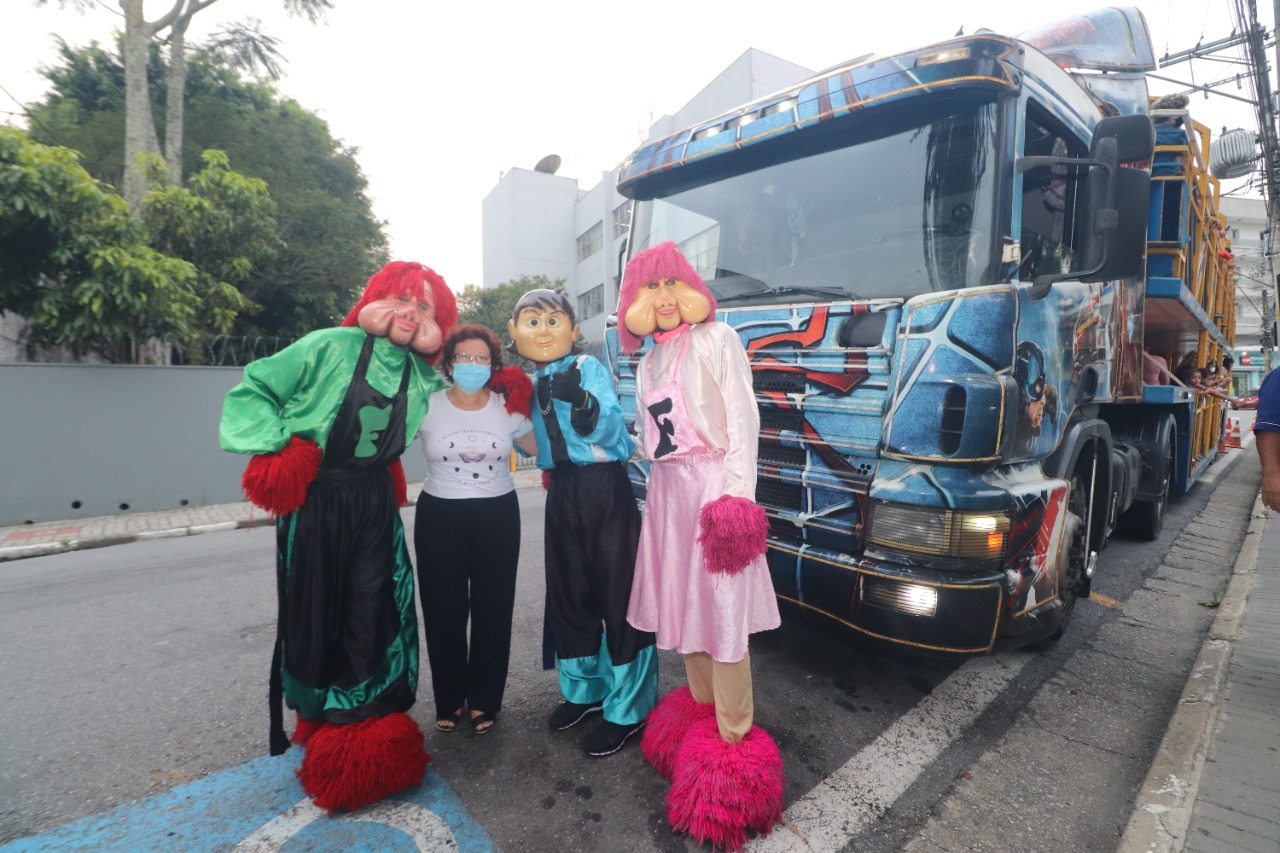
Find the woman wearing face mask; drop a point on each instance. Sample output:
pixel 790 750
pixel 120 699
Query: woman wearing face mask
pixel 467 525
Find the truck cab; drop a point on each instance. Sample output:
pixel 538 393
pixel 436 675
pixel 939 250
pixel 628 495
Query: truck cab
pixel 935 261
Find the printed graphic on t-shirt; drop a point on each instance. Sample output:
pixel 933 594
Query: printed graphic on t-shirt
pixel 472 456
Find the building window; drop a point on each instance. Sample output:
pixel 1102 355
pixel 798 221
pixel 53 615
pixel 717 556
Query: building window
pixel 621 220
pixel 591 241
pixel 591 303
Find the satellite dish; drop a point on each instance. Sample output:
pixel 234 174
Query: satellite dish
pixel 548 164
pixel 1234 154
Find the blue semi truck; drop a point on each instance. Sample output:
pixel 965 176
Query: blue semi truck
pixel 962 275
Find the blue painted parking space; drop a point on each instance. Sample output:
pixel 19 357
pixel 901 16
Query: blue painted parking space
pixel 260 807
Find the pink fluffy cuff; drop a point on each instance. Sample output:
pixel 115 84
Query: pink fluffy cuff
pixel 732 533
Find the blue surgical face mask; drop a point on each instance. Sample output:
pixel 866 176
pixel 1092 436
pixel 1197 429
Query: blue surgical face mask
pixel 471 377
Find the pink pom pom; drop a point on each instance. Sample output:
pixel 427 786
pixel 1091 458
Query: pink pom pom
pixel 732 534
pixel 720 790
pixel 665 729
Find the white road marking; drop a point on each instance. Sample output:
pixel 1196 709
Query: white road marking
pixel 854 796
pixel 272 835
pixel 429 832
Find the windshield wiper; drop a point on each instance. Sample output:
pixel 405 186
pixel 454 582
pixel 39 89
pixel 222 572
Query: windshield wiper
pixel 810 290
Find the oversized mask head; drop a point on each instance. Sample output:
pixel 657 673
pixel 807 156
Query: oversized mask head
pixel 660 291
pixel 409 305
pixel 543 328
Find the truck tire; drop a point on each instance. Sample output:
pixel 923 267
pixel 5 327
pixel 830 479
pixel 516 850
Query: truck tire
pixel 1145 519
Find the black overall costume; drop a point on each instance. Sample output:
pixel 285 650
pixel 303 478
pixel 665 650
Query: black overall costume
pixel 348 634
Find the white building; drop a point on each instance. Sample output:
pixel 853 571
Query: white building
pixel 1255 286
pixel 539 223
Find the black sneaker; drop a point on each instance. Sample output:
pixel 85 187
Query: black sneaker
pixel 608 738
pixel 569 714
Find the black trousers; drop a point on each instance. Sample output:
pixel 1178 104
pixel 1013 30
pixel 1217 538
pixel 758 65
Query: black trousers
pixel 467 550
pixel 347 623
pixel 592 532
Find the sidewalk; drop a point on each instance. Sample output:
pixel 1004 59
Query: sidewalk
pixel 1215 782
pixel 55 537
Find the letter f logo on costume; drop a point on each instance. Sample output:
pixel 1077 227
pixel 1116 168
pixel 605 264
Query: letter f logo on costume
pixel 666 429
pixel 373 420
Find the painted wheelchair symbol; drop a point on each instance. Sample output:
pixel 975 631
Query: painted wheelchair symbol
pixel 428 831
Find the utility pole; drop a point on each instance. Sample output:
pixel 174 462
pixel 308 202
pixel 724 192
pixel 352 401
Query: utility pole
pixel 1267 324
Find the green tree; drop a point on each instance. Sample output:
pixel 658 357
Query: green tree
pixel 222 223
pixel 492 306
pixel 332 241
pixel 89 277
pixel 76 265
pixel 140 36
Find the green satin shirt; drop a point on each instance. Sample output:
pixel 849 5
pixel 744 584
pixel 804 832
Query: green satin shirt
pixel 298 390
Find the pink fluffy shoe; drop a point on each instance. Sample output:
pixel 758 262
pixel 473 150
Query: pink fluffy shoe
pixel 668 722
pixel 719 790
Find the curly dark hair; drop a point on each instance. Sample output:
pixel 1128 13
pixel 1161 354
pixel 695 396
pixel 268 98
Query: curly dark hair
pixel 471 332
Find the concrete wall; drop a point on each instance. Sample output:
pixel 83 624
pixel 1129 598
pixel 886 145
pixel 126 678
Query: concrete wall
pixel 78 441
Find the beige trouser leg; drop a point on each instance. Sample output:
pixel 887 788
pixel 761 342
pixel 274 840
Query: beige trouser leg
pixel 729 686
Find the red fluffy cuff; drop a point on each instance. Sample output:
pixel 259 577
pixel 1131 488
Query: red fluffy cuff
pixel 732 533
pixel 399 483
pixel 513 384
pixel 277 482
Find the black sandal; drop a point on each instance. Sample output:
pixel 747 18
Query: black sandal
pixel 483 723
pixel 449 723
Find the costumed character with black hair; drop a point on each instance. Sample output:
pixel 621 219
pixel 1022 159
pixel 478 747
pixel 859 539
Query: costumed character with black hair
pixel 592 525
pixel 326 420
pixel 702 583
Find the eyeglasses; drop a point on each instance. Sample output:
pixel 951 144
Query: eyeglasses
pixel 463 358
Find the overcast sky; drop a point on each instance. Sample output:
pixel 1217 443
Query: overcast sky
pixel 440 99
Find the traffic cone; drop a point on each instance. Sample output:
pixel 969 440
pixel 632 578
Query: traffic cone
pixel 1233 432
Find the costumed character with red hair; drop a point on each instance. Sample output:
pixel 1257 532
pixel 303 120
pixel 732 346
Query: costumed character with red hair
pixel 326 420
pixel 701 584
pixel 592 525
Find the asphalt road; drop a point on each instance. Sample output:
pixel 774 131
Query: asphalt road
pixel 131 669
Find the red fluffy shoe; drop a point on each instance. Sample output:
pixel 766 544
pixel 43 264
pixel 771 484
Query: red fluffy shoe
pixel 305 728
pixel 668 722
pixel 720 790
pixel 348 767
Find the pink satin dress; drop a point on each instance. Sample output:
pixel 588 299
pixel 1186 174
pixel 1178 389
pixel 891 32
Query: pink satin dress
pixel 700 425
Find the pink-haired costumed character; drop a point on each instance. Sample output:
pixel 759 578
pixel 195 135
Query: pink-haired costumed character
pixel 701 582
pixel 326 420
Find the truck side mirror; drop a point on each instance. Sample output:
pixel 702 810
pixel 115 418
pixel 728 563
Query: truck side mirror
pixel 1112 213
pixel 1126 241
pixel 1135 137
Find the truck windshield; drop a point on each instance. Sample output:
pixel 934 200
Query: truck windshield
pixel 885 216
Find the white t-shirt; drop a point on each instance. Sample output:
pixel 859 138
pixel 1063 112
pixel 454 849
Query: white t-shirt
pixel 469 452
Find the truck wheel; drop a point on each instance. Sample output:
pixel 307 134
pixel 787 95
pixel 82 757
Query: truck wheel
pixel 1074 566
pixel 1146 518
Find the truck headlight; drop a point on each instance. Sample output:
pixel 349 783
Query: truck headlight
pixel 916 599
pixel 938 532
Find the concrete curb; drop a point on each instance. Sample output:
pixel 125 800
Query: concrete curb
pixel 1162 811
pixel 171 526
pixel 20 552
